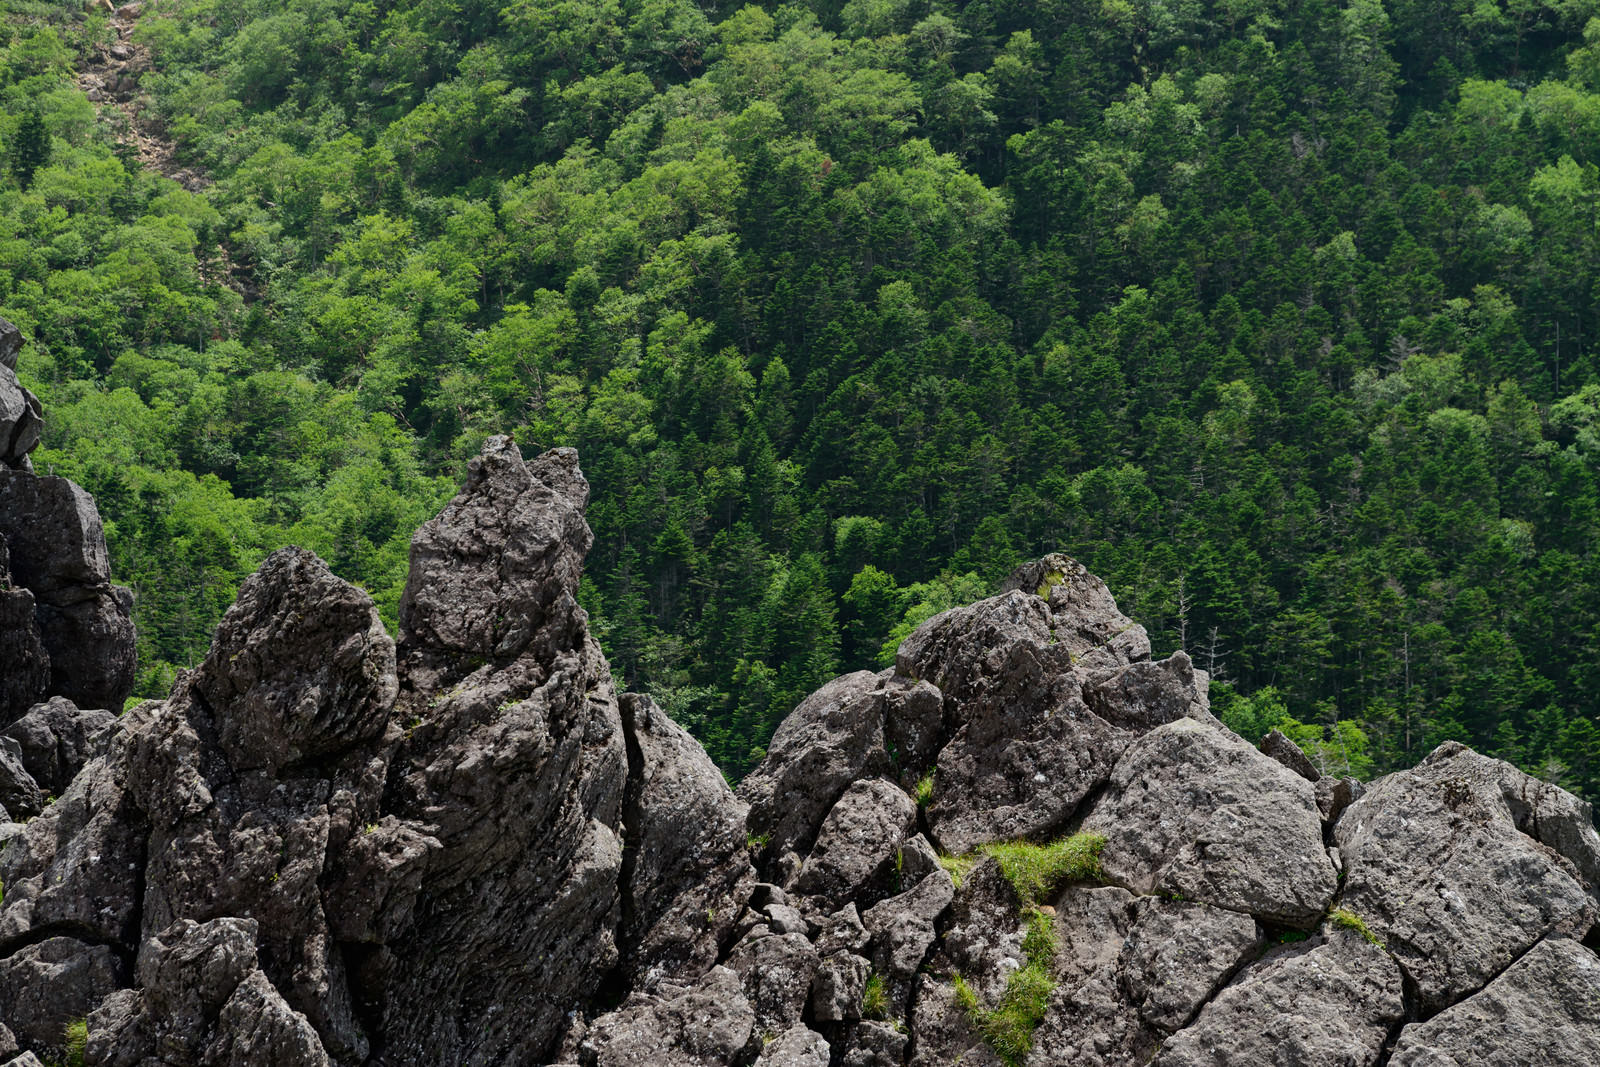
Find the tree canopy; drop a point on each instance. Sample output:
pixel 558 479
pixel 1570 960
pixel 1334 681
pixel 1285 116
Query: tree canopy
pixel 1278 314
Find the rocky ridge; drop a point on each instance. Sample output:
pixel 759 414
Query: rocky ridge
pixel 465 846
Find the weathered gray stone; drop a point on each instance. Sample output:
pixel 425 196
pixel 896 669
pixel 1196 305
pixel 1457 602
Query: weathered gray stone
pixel 1545 1008
pixel 784 919
pixel 202 999
pixel 941 1032
pixel 1177 955
pixel 1324 1003
pixel 983 937
pixel 1336 794
pixel 516 763
pixel 58 553
pixel 27 674
pixel 917 860
pixel 1084 616
pixel 78 865
pixel 1196 811
pixel 858 842
pixel 797 1047
pixel 47 985
pixel 20 797
pixel 841 931
pixel 1028 712
pixel 493 576
pixel 1147 693
pixel 21 420
pixel 963 651
pixel 834 738
pixel 11 342
pixel 710 1024
pixel 255 775
pixel 1026 757
pixel 902 927
pixel 301 668
pixel 777 971
pixel 1089 1017
pixel 1286 752
pixel 686 863
pixel 1438 867
pixel 836 990
pixel 57 739
pixel 257 1025
pixel 875 1044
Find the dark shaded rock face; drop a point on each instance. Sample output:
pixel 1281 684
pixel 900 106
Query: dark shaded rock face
pixel 65 630
pixel 465 847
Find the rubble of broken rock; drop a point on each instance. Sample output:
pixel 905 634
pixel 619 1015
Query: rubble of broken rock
pixel 1028 842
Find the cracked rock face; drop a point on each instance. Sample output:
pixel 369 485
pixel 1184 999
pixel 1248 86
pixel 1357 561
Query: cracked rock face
pixel 1446 863
pixel 327 847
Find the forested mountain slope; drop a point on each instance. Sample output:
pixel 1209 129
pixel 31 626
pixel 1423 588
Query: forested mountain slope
pixel 1279 316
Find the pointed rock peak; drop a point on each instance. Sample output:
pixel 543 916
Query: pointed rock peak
pixel 496 573
pixel 1087 619
pixel 301 667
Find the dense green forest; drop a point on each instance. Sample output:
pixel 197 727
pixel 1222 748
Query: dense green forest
pixel 1279 314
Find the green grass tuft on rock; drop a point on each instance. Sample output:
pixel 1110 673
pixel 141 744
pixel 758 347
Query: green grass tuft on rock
pixel 1351 921
pixel 1008 1027
pixel 1035 871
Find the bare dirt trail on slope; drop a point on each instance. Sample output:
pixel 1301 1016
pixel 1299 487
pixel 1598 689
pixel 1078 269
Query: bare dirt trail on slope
pixel 111 80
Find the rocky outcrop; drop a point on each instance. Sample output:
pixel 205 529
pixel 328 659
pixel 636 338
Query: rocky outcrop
pixel 464 846
pixel 54 567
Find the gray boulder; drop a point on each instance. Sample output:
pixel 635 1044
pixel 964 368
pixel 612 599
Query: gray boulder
pixel 797 1047
pixel 1195 811
pixel 256 773
pixel 1541 1009
pixel 11 342
pixel 58 553
pixel 776 971
pixel 78 865
pixel 707 1025
pixel 836 991
pixel 57 740
pixel 686 867
pixel 941 1032
pixel 858 843
pixel 1147 693
pixel 47 985
pixel 834 738
pixel 1089 1017
pixel 1177 955
pixel 27 674
pixel 201 999
pixel 1442 863
pixel 903 927
pixel 1286 752
pixel 1028 754
pixel 1045 685
pixel 1084 616
pixel 21 421
pixel 19 793
pixel 1325 1003
pixel 301 669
